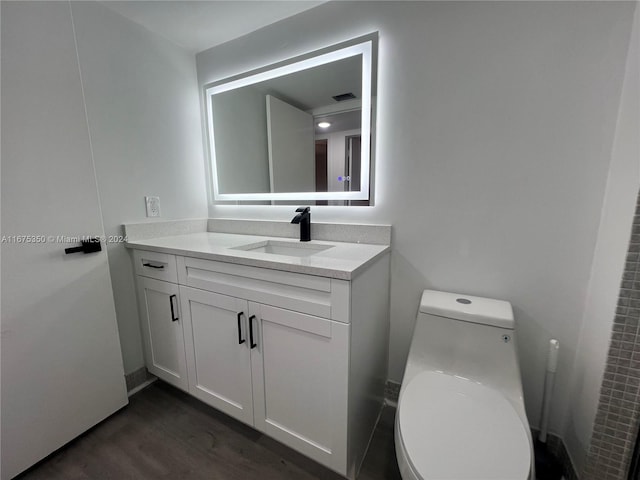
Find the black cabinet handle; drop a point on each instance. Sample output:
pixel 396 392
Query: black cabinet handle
pixel 159 267
pixel 240 339
pixel 251 343
pixel 174 317
pixel 91 245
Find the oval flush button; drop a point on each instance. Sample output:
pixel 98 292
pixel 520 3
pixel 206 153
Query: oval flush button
pixel 464 301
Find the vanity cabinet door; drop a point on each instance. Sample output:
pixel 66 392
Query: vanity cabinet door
pixel 161 318
pixel 218 358
pixel 300 366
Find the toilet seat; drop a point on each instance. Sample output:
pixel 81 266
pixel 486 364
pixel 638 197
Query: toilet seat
pixel 454 428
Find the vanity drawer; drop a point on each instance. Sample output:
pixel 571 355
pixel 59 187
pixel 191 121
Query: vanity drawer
pixel 160 266
pixel 320 296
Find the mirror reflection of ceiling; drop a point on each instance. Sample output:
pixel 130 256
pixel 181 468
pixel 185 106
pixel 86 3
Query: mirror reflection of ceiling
pixel 340 122
pixel 315 87
pixel 200 25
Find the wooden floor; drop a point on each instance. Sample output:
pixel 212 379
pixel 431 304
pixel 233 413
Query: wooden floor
pixel 166 434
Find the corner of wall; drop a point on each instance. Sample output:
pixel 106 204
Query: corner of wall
pixel 608 263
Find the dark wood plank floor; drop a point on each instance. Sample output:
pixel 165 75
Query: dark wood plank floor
pixel 166 434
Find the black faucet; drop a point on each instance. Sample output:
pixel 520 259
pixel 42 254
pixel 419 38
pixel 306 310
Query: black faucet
pixel 304 219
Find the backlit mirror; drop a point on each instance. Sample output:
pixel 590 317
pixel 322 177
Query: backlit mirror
pixel 296 131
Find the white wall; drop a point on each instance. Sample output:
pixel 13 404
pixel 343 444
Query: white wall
pixel 608 262
pixel 240 122
pixel 144 120
pixel 495 127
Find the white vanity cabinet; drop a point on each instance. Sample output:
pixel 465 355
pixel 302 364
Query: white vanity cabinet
pixel 301 358
pixel 160 315
pixel 300 384
pixel 283 372
pixel 218 358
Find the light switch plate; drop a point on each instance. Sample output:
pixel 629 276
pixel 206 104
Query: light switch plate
pixel 153 206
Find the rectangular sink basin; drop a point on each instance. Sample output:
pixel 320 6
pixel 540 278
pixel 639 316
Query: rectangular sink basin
pixel 290 249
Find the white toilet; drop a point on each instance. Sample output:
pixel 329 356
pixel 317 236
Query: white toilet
pixel 460 411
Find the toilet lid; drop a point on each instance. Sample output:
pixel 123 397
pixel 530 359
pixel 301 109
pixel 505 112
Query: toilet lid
pixel 454 428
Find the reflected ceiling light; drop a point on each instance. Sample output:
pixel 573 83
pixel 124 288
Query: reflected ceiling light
pixel 324 124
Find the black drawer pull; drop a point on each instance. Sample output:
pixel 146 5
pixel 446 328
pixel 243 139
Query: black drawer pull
pixel 159 267
pixel 174 317
pixel 240 339
pixel 251 343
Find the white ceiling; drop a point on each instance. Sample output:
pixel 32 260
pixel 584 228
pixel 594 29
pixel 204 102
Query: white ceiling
pixel 315 87
pixel 199 25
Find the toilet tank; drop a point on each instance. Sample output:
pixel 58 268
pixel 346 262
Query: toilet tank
pixel 471 337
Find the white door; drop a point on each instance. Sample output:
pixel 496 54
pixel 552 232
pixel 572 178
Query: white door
pixel 300 382
pixel 217 338
pixel 62 366
pixel 162 330
pixel 291 144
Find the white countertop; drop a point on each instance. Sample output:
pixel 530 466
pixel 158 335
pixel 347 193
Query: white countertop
pixel 343 261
